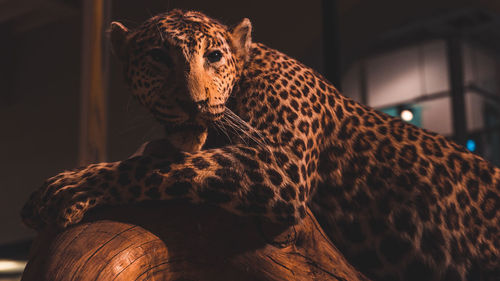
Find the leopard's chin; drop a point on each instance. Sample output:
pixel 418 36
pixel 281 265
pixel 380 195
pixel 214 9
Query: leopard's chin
pixel 188 137
pixel 211 114
pixel 190 126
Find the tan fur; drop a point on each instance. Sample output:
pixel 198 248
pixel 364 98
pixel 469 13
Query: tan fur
pixel 400 202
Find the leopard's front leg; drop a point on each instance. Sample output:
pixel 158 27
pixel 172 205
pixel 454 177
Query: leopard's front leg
pixel 80 186
pixel 243 180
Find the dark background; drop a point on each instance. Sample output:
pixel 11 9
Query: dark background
pixel 41 54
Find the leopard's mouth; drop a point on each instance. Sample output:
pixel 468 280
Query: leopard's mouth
pixel 186 115
pixel 211 115
pixel 202 111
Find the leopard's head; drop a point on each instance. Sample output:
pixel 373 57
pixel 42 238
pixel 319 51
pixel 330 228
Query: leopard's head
pixel 182 65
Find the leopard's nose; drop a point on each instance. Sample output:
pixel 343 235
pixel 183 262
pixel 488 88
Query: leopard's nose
pixel 202 108
pixel 201 104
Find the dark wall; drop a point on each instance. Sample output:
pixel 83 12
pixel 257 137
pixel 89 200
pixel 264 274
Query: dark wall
pixel 39 121
pixel 366 23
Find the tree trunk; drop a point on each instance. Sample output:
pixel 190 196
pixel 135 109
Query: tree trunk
pixel 181 241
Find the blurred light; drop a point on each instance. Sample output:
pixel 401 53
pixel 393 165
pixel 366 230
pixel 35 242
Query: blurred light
pixel 471 145
pixel 406 115
pixel 11 266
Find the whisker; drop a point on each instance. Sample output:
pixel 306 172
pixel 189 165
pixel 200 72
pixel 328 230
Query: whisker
pixel 244 125
pixel 240 126
pixel 220 127
pixel 237 130
pixel 157 27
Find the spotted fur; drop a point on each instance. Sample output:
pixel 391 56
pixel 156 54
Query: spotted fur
pixel 400 202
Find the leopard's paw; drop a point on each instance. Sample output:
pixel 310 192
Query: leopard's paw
pixel 29 213
pixel 62 200
pixel 66 208
pixel 72 209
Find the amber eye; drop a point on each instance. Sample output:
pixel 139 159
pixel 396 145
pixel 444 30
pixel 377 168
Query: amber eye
pixel 161 56
pixel 214 56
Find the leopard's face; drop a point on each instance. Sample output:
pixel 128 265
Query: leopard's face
pixel 182 65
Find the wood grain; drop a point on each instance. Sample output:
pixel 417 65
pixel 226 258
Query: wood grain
pixel 180 241
pixel 94 77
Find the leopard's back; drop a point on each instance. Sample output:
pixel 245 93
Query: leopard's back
pixel 401 203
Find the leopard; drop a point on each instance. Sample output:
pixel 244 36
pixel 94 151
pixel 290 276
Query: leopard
pixel 400 202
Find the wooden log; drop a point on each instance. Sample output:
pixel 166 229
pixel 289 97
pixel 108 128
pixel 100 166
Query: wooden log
pixel 180 241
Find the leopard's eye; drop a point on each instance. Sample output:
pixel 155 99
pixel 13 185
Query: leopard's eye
pixel 214 56
pixel 161 56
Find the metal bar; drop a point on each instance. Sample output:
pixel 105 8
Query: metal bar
pixel 331 43
pixel 484 93
pixel 436 95
pixel 455 69
pixel 363 83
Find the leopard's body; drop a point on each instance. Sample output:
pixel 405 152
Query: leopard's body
pixel 401 203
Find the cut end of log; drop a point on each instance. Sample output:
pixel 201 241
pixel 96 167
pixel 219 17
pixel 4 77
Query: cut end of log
pixel 181 241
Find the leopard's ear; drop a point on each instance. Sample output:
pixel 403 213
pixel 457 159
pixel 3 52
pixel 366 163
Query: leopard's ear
pixel 118 35
pixel 241 36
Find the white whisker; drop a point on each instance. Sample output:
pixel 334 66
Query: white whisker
pixel 243 130
pixel 220 127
